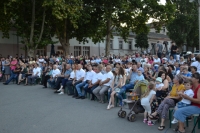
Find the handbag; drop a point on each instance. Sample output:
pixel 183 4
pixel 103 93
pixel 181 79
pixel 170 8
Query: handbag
pixel 117 90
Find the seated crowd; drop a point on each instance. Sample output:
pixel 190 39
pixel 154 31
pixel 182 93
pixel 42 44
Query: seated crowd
pixel 172 83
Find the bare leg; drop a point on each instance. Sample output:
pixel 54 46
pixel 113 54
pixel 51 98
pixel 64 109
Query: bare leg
pixel 19 78
pixel 145 115
pixel 162 122
pixel 6 77
pixel 181 127
pixel 61 88
pixel 113 98
pixel 26 81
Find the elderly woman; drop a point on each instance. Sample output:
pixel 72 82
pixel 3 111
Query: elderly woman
pixel 184 112
pixel 169 101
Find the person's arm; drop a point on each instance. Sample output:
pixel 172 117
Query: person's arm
pixel 129 76
pixel 124 80
pixel 152 98
pixel 194 100
pixel 105 81
pixel 120 82
pixel 96 83
pixel 166 85
pixel 186 78
pixel 81 79
pixel 112 85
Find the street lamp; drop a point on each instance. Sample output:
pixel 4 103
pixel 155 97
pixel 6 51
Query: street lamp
pixel 199 17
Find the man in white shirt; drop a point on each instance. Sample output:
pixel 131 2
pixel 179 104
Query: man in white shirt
pixel 97 77
pixel 55 73
pixel 156 62
pixel 85 83
pixel 79 77
pixel 143 60
pixel 41 61
pixel 193 58
pixel 35 75
pixel 197 63
pixel 104 84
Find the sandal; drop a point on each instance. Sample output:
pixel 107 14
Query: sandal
pixel 153 117
pixel 161 128
pixel 180 131
pixel 176 129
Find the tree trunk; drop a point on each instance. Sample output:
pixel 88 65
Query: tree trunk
pixel 108 25
pixel 66 49
pixel 65 40
pixel 32 24
pixel 31 52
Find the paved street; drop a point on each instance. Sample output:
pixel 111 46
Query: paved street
pixel 33 109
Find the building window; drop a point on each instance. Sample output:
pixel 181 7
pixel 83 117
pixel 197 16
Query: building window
pixel 130 45
pixel 164 29
pixel 120 44
pixel 111 44
pixel 77 50
pixel 153 45
pixel 86 51
pixel 41 52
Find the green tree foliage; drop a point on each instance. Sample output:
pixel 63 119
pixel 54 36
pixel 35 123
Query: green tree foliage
pixel 78 19
pixel 183 29
pixel 31 21
pixel 141 40
pixel 124 16
pixel 36 21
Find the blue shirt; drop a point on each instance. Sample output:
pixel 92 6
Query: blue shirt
pixel 3 63
pixel 139 78
pixel 187 74
pixel 98 61
pixel 133 77
pixel 67 72
pixel 50 73
pixel 70 61
pixel 141 69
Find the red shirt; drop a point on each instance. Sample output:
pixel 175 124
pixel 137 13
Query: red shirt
pixel 195 96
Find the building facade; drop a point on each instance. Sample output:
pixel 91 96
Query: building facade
pixel 118 46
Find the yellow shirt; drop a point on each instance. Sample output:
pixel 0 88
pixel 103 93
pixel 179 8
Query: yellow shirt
pixel 31 62
pixel 176 89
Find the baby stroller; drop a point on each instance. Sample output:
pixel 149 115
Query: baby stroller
pixel 133 101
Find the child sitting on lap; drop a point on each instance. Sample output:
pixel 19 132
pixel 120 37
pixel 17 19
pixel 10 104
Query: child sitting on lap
pixel 159 84
pixel 185 102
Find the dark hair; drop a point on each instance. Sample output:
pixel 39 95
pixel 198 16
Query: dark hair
pixel 161 73
pixel 188 82
pixel 121 71
pixel 198 58
pixel 195 68
pixel 196 76
pixel 162 68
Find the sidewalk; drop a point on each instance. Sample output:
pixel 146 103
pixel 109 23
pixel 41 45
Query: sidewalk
pixel 32 109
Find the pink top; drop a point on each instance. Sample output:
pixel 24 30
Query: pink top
pixel 14 62
pixel 105 61
pixel 150 61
